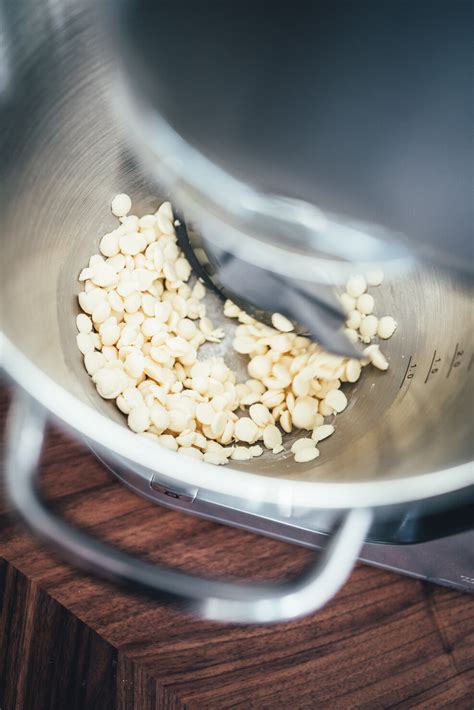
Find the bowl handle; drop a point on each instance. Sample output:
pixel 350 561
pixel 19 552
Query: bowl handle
pixel 210 598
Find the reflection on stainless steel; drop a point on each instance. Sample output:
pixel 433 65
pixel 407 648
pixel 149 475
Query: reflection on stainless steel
pixel 406 434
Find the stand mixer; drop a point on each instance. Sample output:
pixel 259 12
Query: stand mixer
pixel 376 174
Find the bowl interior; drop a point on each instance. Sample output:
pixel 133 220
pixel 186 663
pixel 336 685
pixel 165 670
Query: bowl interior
pixel 62 166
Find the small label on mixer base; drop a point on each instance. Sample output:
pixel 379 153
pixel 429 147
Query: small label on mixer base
pixel 185 494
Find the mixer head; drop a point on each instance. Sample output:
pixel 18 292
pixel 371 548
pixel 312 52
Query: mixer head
pixel 305 149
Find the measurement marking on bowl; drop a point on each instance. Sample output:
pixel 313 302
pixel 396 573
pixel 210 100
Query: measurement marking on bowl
pixel 434 366
pixel 409 372
pixel 456 359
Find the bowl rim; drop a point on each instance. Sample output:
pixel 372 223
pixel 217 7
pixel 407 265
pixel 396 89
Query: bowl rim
pixel 82 419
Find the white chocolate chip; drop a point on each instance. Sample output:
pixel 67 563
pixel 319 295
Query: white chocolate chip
pixel 121 205
pixel 109 332
pixel 375 277
pixel 241 453
pixel 129 224
pixel 139 419
pixel 205 413
pixel 186 439
pixel 148 221
pixel 134 365
pixel 132 243
pixel 259 366
pixel 302 443
pixel 351 335
pixel 286 422
pixel 280 343
pixel 245 430
pixel 191 452
pixel 272 437
pixel 353 370
pixel 83 323
pixel 101 312
pixel 186 329
pixel 322 432
pixel 85 274
pixel 376 357
pixel 272 398
pixel 94 361
pixel 244 345
pixel 386 327
pixel 199 291
pixel 218 424
pixel 182 268
pixel 304 412
pixel 179 421
pixel 166 210
pixel 368 328
pixel 231 310
pixel 168 441
pixel 354 320
pixel 159 417
pixel 109 244
pixel 365 304
pixel 103 274
pixel 281 323
pixel 260 414
pixel 336 400
pixel 109 383
pixel 356 286
pixel 301 384
pixel 306 454
pixel 347 302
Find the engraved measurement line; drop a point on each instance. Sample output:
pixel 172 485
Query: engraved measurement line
pixel 429 369
pixel 406 373
pixel 453 359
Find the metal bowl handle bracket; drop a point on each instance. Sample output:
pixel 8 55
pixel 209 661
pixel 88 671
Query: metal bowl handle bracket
pixel 213 599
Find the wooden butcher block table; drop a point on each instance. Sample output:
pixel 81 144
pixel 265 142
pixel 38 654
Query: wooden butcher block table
pixel 69 641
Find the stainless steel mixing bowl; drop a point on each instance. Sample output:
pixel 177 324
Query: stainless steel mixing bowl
pixel 405 439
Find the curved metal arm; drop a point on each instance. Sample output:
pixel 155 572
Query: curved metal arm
pixel 213 599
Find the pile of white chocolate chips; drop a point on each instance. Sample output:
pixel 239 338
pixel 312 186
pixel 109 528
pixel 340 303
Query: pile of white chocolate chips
pixel 141 329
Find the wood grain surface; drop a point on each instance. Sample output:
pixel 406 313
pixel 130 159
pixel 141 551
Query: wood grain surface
pixel 68 641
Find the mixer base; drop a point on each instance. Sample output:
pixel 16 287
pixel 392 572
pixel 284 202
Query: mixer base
pixel 448 560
